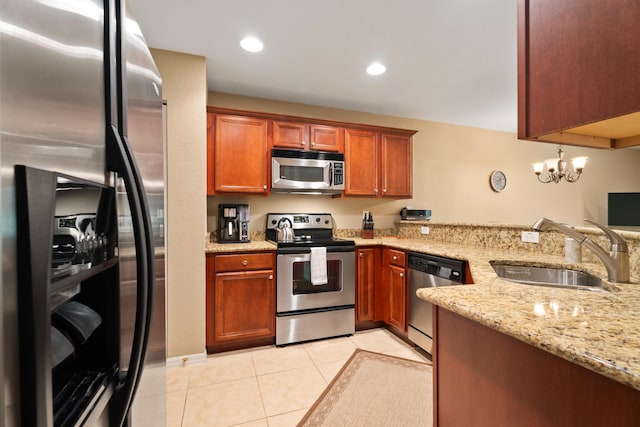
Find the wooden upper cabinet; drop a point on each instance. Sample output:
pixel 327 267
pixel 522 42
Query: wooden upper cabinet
pixel 307 136
pixel 290 135
pixel 361 162
pixel 378 164
pixel 377 159
pixel 210 153
pixel 396 165
pixel 578 72
pixel 240 155
pixel 326 138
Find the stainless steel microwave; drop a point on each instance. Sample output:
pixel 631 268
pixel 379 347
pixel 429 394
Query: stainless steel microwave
pixel 307 172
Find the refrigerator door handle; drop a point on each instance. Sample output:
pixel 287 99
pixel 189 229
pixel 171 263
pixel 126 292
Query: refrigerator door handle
pixel 120 159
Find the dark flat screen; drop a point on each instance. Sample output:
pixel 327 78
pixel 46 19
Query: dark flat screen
pixel 624 208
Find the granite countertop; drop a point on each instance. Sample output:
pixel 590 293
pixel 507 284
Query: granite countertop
pixel 254 245
pixel 597 330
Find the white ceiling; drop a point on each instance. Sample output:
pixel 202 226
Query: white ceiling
pixel 450 61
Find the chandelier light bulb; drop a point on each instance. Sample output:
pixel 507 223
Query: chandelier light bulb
pixel 579 162
pixel 552 164
pixel 538 167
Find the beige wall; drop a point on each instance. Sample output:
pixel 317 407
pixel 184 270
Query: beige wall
pixel 185 90
pixel 451 167
pixel 451 170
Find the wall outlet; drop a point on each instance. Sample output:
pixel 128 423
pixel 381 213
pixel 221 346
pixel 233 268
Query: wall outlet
pixel 531 236
pixel 424 230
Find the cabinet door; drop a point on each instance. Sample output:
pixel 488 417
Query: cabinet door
pixel 326 138
pixel 397 297
pixel 361 163
pixel 244 305
pixel 290 135
pixel 577 64
pixel 366 277
pixel 396 165
pixel 210 154
pixel 241 156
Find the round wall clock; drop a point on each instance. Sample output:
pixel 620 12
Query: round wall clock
pixel 497 180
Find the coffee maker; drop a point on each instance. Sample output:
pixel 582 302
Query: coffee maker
pixel 233 224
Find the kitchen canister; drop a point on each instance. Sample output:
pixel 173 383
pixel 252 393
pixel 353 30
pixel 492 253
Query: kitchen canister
pixel 572 251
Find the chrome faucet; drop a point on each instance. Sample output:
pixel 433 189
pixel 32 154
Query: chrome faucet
pixel 616 261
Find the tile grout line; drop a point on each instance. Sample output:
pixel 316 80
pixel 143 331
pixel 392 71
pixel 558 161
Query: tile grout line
pixel 255 372
pixel 256 376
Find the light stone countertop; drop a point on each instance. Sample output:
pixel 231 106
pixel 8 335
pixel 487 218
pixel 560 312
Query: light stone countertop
pixel 254 245
pixel 597 330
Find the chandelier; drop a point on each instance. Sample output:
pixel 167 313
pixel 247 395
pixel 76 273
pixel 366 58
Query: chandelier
pixel 553 170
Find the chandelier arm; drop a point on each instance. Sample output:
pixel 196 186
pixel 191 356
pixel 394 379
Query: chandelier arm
pixel 546 180
pixel 572 177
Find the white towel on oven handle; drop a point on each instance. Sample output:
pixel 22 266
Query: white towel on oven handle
pixel 318 264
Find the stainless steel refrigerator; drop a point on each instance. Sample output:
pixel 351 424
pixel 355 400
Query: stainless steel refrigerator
pixel 82 217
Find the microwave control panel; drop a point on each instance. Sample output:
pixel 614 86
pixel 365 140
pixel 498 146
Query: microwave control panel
pixel 338 173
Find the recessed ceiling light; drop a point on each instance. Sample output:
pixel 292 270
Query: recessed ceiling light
pixel 376 69
pixel 251 44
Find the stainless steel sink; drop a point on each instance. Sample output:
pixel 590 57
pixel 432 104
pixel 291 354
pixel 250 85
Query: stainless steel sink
pixel 548 276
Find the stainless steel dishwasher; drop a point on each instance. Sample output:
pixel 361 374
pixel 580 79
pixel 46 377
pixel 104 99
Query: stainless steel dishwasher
pixel 428 271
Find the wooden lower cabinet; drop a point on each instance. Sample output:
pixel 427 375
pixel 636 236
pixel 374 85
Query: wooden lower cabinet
pixel 240 297
pixel 397 297
pixel 367 274
pixel 482 378
pixel 394 289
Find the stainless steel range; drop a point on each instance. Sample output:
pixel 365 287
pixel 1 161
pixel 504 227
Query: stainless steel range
pixel 315 286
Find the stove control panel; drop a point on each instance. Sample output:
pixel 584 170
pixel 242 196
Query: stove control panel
pixel 300 221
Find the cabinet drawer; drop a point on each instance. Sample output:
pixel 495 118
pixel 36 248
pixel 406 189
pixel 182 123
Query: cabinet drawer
pixel 242 262
pixel 395 257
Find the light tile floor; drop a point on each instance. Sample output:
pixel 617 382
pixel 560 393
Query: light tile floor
pixel 266 386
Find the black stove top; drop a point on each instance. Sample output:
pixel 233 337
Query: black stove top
pixel 311 242
pixel 310 230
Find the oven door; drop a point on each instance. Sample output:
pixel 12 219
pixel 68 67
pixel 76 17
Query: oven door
pixel 295 291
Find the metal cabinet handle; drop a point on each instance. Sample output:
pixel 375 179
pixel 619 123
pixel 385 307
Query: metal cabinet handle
pixel 384 191
pixel 245 262
pixel 401 274
pixel 313 144
pixel 376 190
pixel 264 187
pixel 303 143
pixel 361 254
pixel 395 257
pixel 271 277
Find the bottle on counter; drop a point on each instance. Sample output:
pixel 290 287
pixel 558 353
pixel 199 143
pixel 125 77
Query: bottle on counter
pixel 572 251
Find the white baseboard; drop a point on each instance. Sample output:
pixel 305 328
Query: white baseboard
pixel 189 359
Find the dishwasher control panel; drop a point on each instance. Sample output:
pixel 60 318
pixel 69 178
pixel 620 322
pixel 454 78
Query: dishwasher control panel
pixel 447 268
